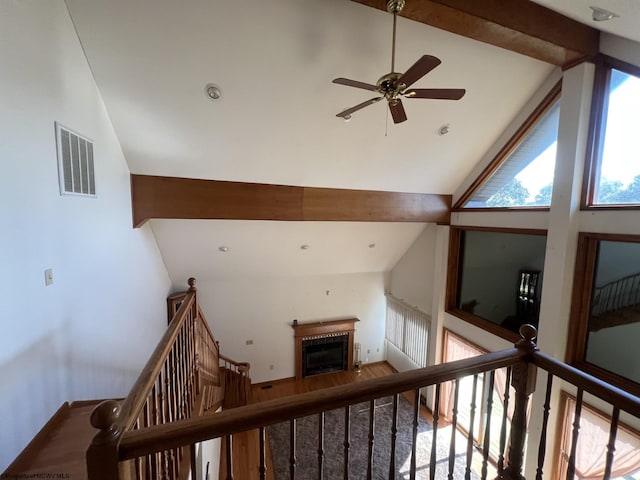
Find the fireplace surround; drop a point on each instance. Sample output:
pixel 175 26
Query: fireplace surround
pixel 323 347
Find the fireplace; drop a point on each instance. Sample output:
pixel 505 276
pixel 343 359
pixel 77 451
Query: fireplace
pixel 325 354
pixel 323 347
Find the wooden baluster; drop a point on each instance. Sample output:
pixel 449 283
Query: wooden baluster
pixel 229 458
pixel 346 444
pixel 454 426
pixel 193 460
pixel 611 446
pixel 292 449
pixel 503 427
pixel 571 467
pixel 372 420
pixel 472 418
pixel 154 419
pixel 487 427
pixel 394 436
pixel 436 417
pixel 146 423
pixel 414 437
pixel 542 446
pixel 263 463
pixel 321 446
pixel 523 381
pixel 164 473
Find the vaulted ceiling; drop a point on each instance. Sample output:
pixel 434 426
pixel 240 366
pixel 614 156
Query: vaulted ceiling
pixel 275 122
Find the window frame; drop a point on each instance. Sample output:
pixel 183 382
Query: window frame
pixel 454 270
pixel 597 122
pixel 585 267
pixel 503 155
pixel 558 472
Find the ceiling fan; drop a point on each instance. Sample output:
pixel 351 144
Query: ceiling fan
pixel 394 85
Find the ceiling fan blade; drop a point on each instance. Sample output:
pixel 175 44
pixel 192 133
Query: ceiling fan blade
pixel 355 83
pixel 424 65
pixel 436 93
pixel 360 106
pixel 397 111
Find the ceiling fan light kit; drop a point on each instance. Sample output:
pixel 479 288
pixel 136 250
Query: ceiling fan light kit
pixel 394 85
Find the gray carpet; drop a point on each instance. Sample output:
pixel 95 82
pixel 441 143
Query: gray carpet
pixel 307 445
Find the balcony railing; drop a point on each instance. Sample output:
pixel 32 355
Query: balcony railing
pixel 153 448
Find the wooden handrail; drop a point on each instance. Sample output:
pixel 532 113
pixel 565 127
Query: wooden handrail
pixel 185 432
pixel 613 395
pixel 234 363
pixel 133 403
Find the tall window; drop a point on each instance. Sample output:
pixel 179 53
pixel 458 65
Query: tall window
pixel 591 447
pixel 408 329
pixel 613 173
pixel 495 278
pixel 521 175
pixel 605 312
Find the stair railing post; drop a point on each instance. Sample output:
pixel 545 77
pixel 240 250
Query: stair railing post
pixel 523 380
pixel 102 458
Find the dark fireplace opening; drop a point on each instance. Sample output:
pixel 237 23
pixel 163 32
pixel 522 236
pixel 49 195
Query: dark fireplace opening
pixel 324 355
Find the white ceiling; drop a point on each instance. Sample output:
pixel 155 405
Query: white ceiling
pixel 626 25
pixel 275 122
pixel 272 249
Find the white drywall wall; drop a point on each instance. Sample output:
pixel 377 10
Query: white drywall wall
pixel 263 309
pixel 412 276
pixel 89 334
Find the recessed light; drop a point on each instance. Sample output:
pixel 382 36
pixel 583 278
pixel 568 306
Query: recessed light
pixel 602 15
pixel 223 249
pixel 213 91
pixel 304 247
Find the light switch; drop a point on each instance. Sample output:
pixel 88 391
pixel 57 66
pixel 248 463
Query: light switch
pixel 48 276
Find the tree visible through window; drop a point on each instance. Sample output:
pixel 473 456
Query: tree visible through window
pixel 522 173
pixel 618 164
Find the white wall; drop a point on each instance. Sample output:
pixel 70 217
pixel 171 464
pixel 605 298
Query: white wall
pixel 263 309
pixel 87 335
pixel 412 277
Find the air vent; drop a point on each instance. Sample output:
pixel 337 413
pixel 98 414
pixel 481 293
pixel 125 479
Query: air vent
pixel 75 163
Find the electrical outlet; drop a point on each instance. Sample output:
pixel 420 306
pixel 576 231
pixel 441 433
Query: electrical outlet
pixel 368 350
pixel 48 277
pixel 248 342
pixel 271 367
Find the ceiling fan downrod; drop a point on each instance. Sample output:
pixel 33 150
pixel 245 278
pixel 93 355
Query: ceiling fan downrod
pixel 394 7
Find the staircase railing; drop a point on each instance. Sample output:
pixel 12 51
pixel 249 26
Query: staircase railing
pixel 117 453
pixel 237 382
pixel 166 391
pixel 616 295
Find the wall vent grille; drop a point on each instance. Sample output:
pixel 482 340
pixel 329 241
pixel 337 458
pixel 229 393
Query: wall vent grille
pixel 75 163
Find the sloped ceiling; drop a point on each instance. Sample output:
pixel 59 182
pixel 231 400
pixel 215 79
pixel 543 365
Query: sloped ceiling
pixel 275 123
pixel 259 249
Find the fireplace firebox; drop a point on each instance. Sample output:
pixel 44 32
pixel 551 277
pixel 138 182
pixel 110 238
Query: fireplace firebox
pixel 323 347
pixel 325 354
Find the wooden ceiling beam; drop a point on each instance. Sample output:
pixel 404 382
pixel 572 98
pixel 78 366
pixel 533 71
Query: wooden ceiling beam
pixel 186 198
pixel 518 25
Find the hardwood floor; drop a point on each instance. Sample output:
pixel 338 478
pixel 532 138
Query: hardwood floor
pixel 245 446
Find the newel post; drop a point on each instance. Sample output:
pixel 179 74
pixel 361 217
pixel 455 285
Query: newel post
pixel 102 458
pixel 523 380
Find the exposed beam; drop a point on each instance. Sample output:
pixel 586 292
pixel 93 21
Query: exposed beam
pixel 517 25
pixel 171 197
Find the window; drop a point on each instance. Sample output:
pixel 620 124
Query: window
pixel 521 175
pixel 591 447
pixel 495 278
pixel 408 329
pixel 613 170
pixel 605 313
pixel 459 348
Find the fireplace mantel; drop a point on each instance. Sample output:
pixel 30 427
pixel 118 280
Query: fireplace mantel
pixel 318 329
